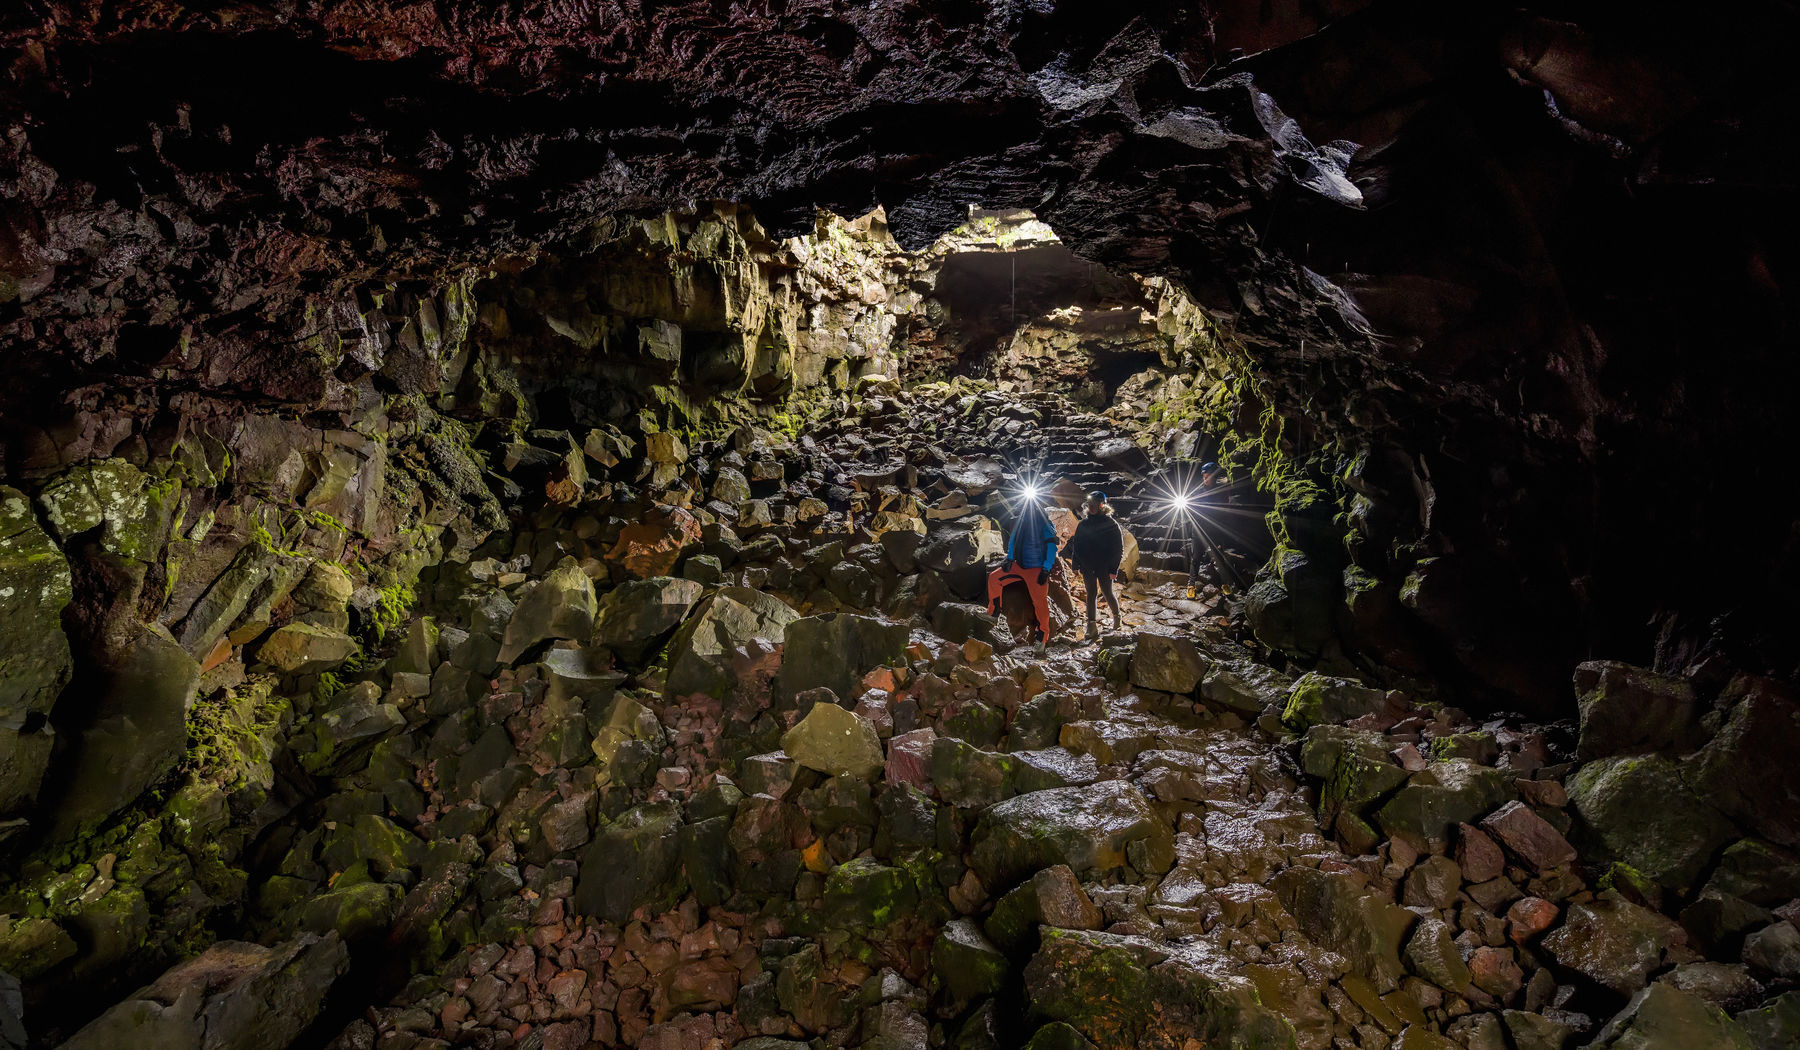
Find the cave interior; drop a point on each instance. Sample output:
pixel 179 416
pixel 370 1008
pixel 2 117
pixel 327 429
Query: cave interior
pixel 499 506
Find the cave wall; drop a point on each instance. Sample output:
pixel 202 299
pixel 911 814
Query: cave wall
pixel 1495 282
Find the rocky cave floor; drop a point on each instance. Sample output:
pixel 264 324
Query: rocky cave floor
pixel 662 771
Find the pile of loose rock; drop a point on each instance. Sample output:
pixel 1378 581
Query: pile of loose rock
pixel 727 752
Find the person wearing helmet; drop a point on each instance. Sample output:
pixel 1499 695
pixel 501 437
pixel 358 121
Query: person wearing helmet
pixel 1096 550
pixel 1211 476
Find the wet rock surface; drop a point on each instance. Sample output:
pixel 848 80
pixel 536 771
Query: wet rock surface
pixel 652 767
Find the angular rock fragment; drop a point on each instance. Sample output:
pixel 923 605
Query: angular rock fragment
pixel 1169 665
pixel 1086 828
pixel 232 995
pixel 1341 915
pixel 835 742
pixel 1128 993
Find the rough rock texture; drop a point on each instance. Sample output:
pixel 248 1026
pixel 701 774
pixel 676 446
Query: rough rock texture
pixel 231 995
pixel 172 229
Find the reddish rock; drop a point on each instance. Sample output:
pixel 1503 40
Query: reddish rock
pixel 909 759
pixel 568 1035
pixel 1477 855
pixel 1528 917
pixel 1529 837
pixel 1409 758
pixel 885 678
pixel 704 984
pixel 1543 793
pixel 1495 971
pixel 566 988
pixel 653 546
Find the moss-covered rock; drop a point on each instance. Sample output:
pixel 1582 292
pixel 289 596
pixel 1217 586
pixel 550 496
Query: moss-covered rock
pixel 965 964
pixel 1341 915
pixel 562 605
pixel 1128 993
pixel 352 909
pixel 835 742
pixel 138 733
pixel 701 653
pixel 305 648
pixel 1444 794
pixel 1626 709
pixel 1663 1017
pixel 35 585
pixel 632 862
pixel 864 894
pixel 1672 842
pixel 1087 828
pixel 1318 699
pixel 1354 765
pixel 235 994
pixel 1167 664
pixel 30 947
pixel 835 651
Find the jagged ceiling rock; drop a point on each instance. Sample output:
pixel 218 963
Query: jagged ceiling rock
pixel 178 182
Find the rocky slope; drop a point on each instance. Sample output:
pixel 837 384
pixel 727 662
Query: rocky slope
pixel 724 751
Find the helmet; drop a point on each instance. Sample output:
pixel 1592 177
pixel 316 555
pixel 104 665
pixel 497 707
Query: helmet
pixel 1209 468
pixel 1097 496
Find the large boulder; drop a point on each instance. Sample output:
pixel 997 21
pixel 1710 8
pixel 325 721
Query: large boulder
pixel 1166 664
pixel 1614 942
pixel 1354 765
pixel 1318 699
pixel 632 862
pixel 232 995
pixel 1245 686
pixel 966 964
pixel 1748 770
pixel 560 606
pixel 1627 710
pixel 303 648
pixel 1672 841
pixel 1444 794
pixel 1090 829
pixel 1341 915
pixel 962 552
pixel 702 653
pixel 653 546
pixel 835 742
pixel 1130 993
pixel 1663 1017
pixel 635 615
pixel 137 733
pixel 1776 1024
pixel 35 585
pixel 835 651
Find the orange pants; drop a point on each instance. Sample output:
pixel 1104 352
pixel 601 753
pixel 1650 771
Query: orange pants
pixel 1039 592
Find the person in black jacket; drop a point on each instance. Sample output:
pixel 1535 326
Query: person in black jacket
pixel 1096 550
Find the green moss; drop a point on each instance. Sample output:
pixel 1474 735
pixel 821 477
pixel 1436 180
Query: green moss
pixel 393 607
pixel 231 735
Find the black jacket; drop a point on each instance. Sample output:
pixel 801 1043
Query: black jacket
pixel 1097 546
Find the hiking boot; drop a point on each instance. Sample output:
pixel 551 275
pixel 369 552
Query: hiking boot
pixel 1093 630
pixel 1039 647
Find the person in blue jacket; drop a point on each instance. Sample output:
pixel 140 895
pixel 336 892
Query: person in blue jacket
pixel 1030 559
pixel 1033 542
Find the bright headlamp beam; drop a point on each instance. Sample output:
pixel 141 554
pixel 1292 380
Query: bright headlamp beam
pixel 1029 491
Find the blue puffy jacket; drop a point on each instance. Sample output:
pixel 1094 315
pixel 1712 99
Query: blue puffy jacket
pixel 1033 543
